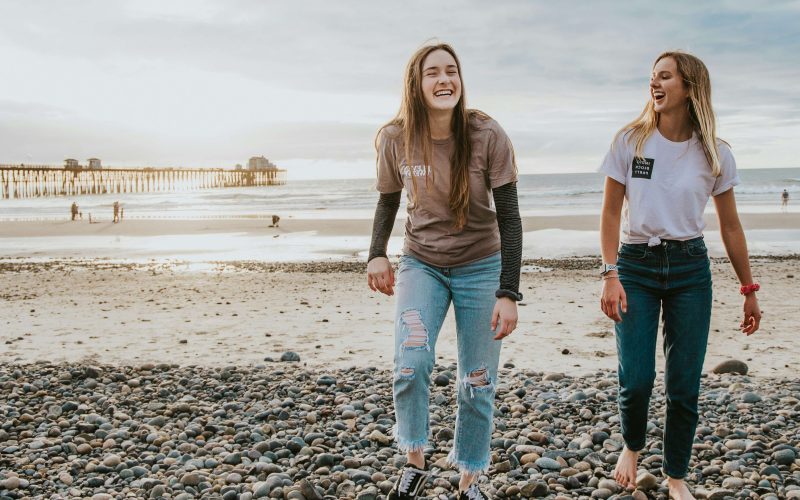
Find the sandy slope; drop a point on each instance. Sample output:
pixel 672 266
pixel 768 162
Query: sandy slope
pixel 235 314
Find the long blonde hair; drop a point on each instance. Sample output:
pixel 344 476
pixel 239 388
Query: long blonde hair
pixel 696 78
pixel 412 119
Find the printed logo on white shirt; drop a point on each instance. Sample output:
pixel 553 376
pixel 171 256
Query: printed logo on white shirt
pixel 642 168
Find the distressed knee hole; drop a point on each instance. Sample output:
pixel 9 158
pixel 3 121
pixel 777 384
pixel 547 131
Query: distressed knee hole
pixel 406 373
pixel 477 378
pixel 417 333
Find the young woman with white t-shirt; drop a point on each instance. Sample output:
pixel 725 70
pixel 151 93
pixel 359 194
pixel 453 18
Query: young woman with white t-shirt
pixel 660 171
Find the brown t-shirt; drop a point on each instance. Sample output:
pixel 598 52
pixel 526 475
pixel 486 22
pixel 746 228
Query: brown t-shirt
pixel 431 234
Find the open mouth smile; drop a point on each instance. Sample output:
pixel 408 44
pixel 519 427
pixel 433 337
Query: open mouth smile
pixel 443 93
pixel 658 95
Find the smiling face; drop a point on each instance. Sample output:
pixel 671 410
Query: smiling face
pixel 441 83
pixel 667 88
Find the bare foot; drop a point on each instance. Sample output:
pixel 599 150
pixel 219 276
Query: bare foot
pixel 417 459
pixel 465 482
pixel 678 489
pixel 625 471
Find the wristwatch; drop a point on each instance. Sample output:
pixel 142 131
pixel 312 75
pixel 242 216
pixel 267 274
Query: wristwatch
pixel 607 268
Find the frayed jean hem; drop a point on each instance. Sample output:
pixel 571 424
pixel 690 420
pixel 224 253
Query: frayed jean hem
pixel 406 445
pixel 472 468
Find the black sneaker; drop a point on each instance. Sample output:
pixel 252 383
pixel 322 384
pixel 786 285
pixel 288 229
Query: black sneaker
pixel 409 484
pixel 472 493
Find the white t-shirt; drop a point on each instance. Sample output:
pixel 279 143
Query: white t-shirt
pixel 666 191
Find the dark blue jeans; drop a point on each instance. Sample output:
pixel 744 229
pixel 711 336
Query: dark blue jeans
pixel 674 276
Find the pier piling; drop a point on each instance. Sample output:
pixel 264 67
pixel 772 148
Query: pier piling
pixel 28 181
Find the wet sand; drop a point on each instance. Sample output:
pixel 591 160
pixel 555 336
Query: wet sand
pixel 322 227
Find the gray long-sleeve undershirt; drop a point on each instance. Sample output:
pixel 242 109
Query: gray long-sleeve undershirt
pixel 508 222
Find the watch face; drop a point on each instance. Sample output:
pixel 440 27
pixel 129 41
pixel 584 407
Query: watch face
pixel 605 268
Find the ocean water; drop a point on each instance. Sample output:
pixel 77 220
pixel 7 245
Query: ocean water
pixel 540 194
pixel 547 194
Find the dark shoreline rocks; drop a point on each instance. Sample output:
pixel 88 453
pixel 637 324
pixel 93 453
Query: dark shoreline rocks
pixel 354 265
pixel 286 431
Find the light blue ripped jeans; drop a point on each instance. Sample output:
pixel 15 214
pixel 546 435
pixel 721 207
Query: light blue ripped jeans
pixel 424 293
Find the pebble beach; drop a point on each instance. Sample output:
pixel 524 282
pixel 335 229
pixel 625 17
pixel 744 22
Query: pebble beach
pixel 188 196
pixel 281 430
pixel 252 379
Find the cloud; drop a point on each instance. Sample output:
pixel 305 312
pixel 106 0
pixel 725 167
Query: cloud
pixel 206 81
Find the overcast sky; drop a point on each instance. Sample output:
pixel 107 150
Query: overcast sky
pixel 307 83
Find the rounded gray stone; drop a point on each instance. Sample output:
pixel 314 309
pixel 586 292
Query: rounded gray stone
pixel 290 356
pixel 548 463
pixel 784 457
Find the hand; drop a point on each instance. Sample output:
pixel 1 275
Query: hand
pixel 380 276
pixel 504 317
pixel 613 298
pixel 752 315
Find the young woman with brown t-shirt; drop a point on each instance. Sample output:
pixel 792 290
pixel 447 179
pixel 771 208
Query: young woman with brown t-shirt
pixel 453 162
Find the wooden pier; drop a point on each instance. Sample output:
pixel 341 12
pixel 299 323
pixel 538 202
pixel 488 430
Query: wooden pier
pixel 28 181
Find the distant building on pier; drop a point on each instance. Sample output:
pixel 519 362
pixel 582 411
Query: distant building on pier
pixel 260 163
pixel 71 163
pixel 94 164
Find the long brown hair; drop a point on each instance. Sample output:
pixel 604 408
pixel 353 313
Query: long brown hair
pixel 696 78
pixel 412 119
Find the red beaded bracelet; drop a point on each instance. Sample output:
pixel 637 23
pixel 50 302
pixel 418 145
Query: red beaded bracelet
pixel 748 289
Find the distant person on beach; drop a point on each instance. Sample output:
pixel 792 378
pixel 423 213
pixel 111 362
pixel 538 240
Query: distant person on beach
pixel 664 166
pixel 785 201
pixel 74 210
pixel 121 213
pixel 452 161
pixel 116 211
pixel 275 221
